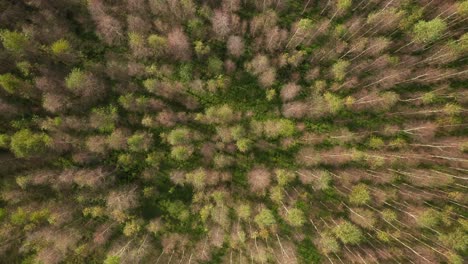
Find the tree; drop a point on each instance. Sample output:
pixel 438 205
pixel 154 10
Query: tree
pixel 339 69
pixel 348 233
pixel 179 136
pixel 428 31
pixel 158 44
pixel 335 103
pixel 289 91
pixel 201 49
pixel 215 66
pixel 328 244
pixel 4 141
pixel 295 217
pixel 26 143
pixel 13 41
pixel 244 144
pixel 104 118
pixel 181 153
pixel 429 218
pixel 131 228
pixel 235 46
pixel 376 143
pixel 278 128
pixel 59 47
pixel 10 82
pixel 457 240
pixel 140 142
pixel 359 194
pixel 179 45
pixel 284 177
pixel 111 259
pixel 197 178
pixel 265 218
pixel 221 23
pixel 303 26
pixel 259 179
pixel 243 211
pixel 220 114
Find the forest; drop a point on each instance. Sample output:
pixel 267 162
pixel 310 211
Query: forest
pixel 233 131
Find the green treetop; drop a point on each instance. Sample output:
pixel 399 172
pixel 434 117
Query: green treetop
pixel 14 41
pixel 25 143
pixel 265 218
pixel 348 233
pixel 359 194
pixel 9 82
pixel 428 31
pixel 295 217
pixel 60 46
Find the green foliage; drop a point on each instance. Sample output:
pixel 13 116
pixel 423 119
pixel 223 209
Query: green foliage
pixel 185 72
pixel 157 43
pixel 328 244
pixel 429 218
pixel 25 143
pixel 335 103
pixel 389 215
pixel 105 118
pixel 343 5
pixel 275 128
pixel 282 120
pixel 112 260
pixel 308 253
pixel 265 218
pixel 457 240
pixel 179 136
pixel 131 228
pixel 13 41
pixel 305 24
pixel 376 143
pixel 201 49
pixel 60 46
pixel 9 82
pixel 428 31
pixel 219 114
pixel 454 258
pixel 244 211
pixel 19 217
pixel 197 179
pixel 2 213
pixel 215 66
pixel 75 79
pixel 139 142
pixel 462 8
pixel 176 210
pixel 181 153
pixel 348 233
pixel 383 236
pixel 244 144
pixel 295 217
pixel 339 69
pixel 359 194
pixel 24 67
pixel 284 176
pixel 4 141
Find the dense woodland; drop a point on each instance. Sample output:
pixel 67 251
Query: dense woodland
pixel 233 131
